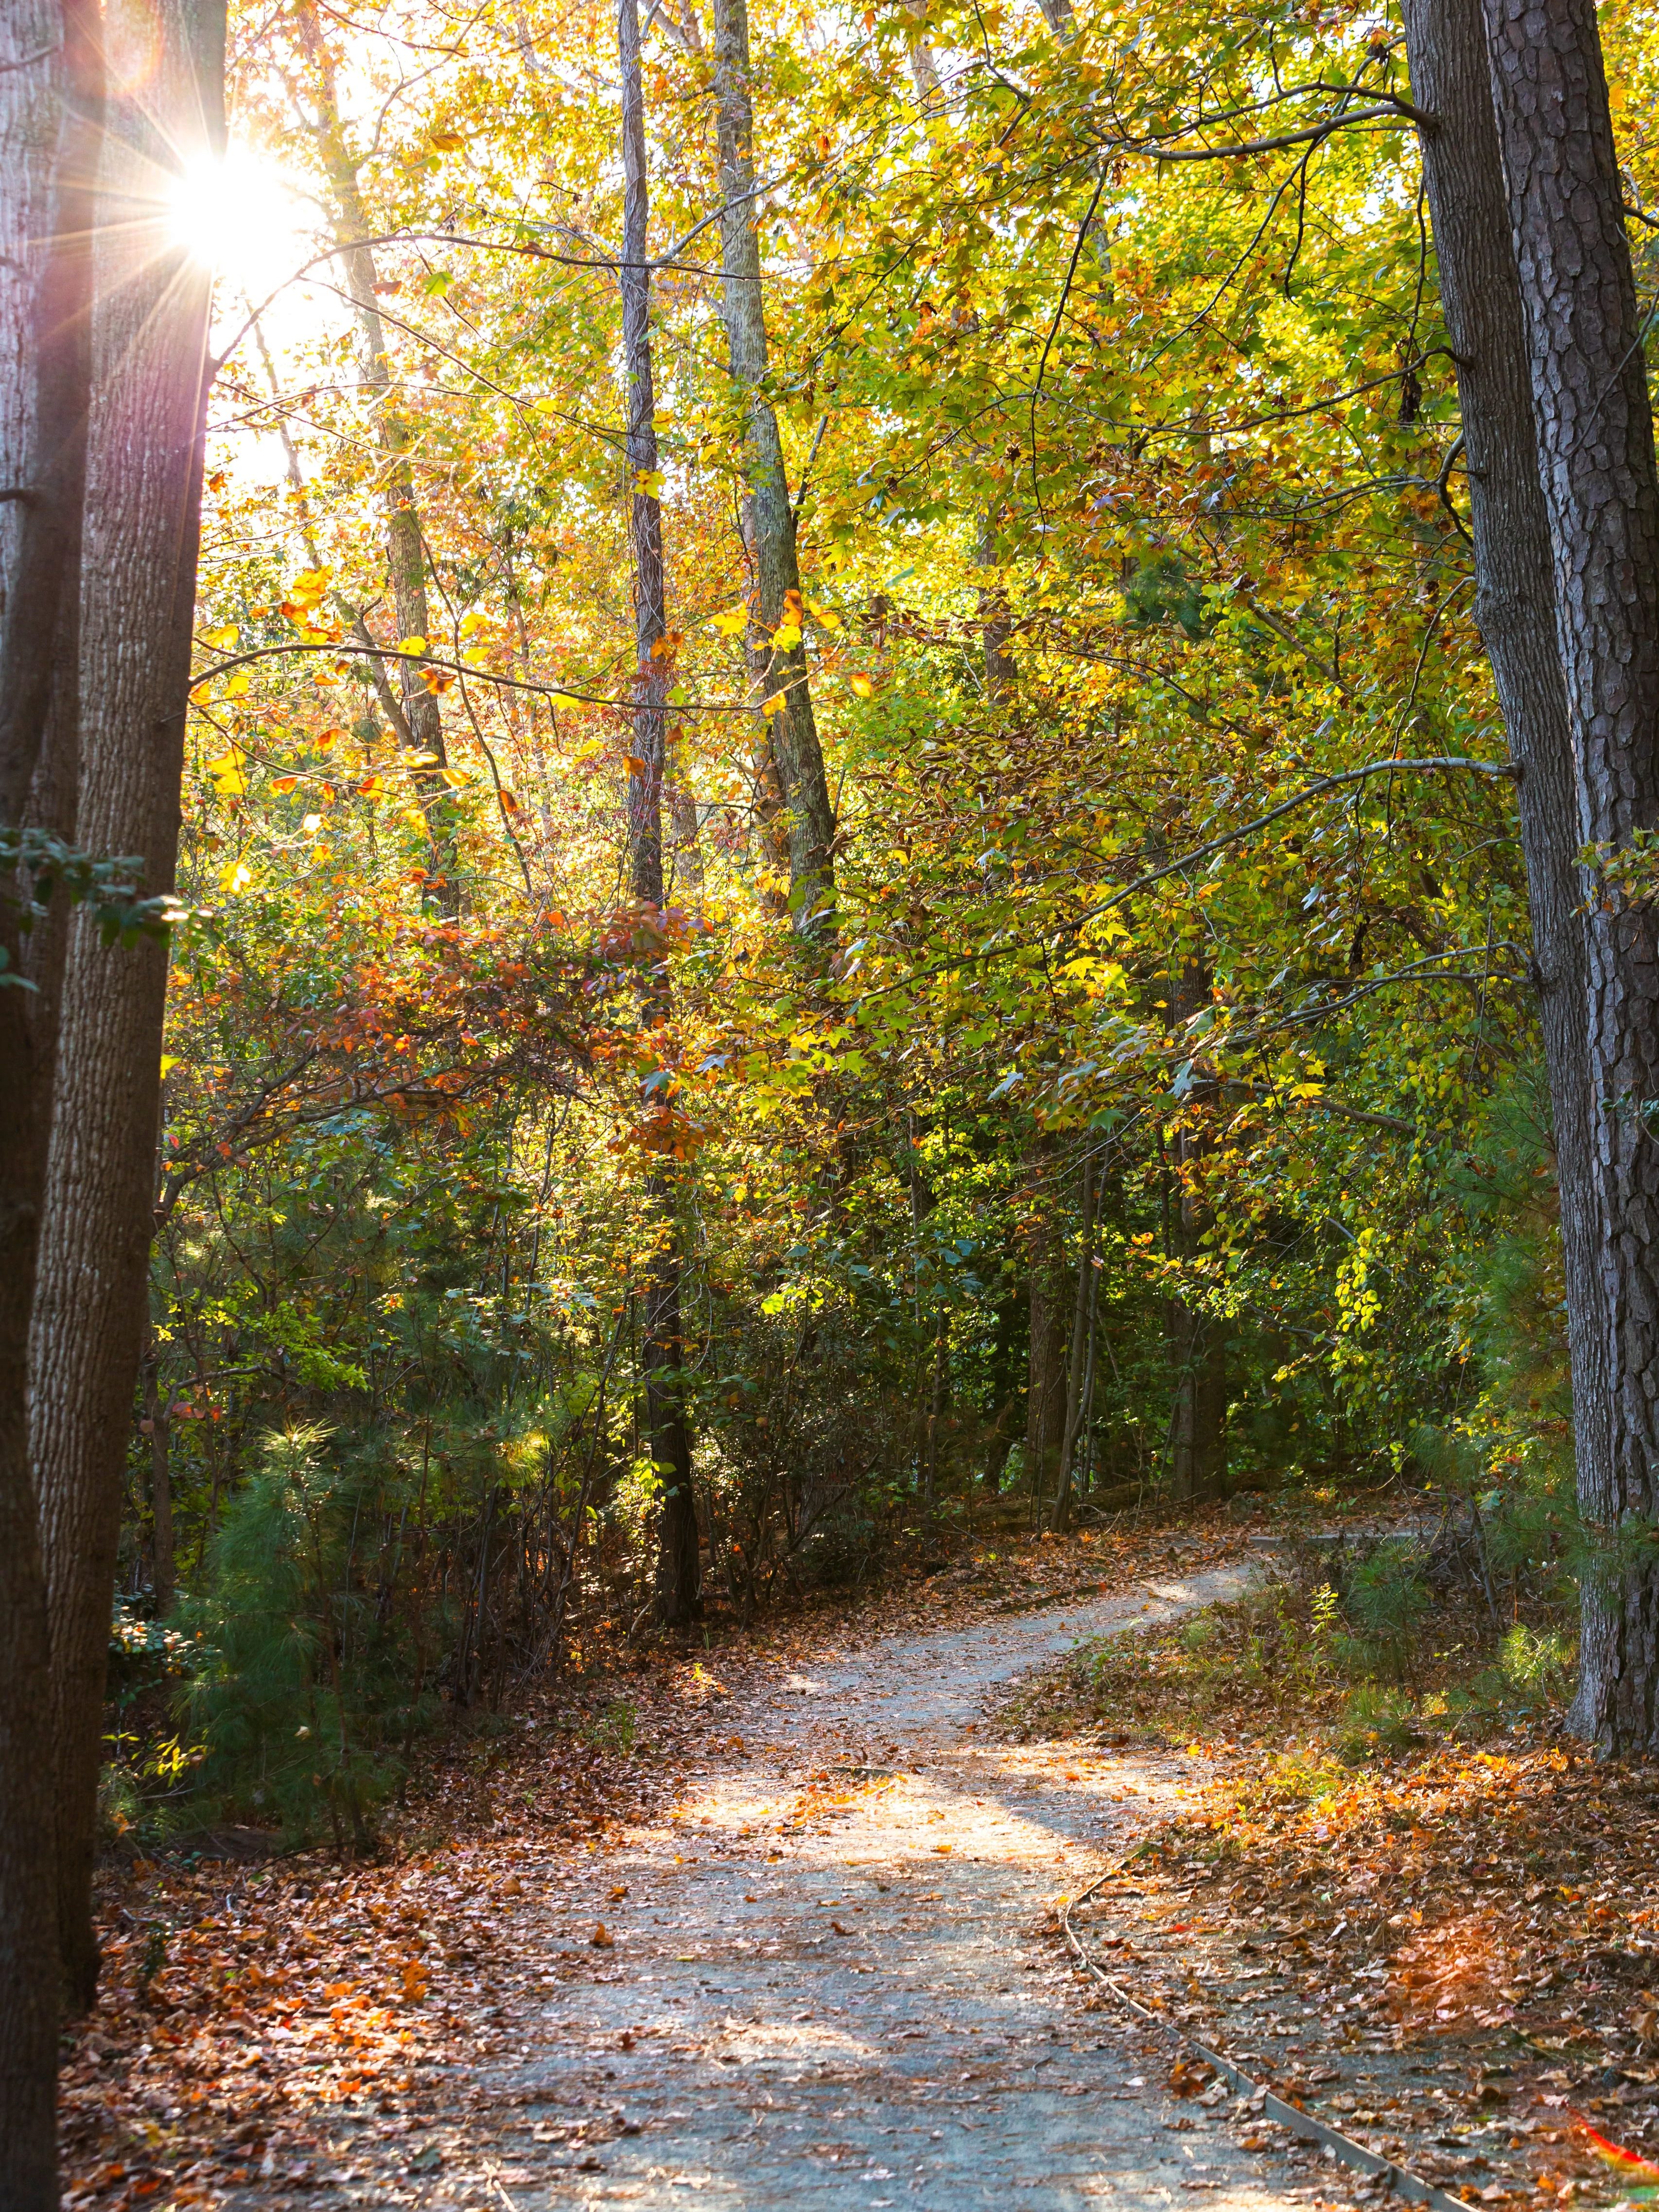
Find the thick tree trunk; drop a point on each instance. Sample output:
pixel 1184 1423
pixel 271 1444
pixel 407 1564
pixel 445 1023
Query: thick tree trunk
pixel 667 1433
pixel 1601 496
pixel 139 590
pixel 781 617
pixel 50 94
pixel 1515 606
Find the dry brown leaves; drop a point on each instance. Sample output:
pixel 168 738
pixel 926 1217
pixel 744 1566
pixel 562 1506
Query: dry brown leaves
pixel 1452 1953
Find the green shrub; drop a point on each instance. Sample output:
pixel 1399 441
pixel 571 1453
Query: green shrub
pixel 304 1688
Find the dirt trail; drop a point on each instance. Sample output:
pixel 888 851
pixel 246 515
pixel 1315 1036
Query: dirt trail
pixel 830 1981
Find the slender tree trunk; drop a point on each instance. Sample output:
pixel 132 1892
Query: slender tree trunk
pixel 1515 605
pixel 1197 1338
pixel 1601 496
pixel 1079 1352
pixel 51 97
pixel 1045 1392
pixel 139 592
pixel 416 715
pixel 158 1410
pixel 783 676
pixel 668 1435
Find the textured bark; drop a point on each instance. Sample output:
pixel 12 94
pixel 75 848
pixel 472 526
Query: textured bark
pixel 51 87
pixel 795 747
pixel 1601 496
pixel 138 588
pixel 667 1433
pixel 416 715
pixel 1515 606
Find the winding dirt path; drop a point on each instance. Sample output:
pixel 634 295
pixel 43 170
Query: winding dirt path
pixel 830 1978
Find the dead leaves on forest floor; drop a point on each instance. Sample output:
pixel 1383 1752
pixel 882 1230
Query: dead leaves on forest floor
pixel 250 2013
pixel 1449 1951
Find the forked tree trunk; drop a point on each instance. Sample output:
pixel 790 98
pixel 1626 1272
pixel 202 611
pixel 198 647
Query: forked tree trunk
pixel 139 592
pixel 1515 606
pixel 783 675
pixel 50 95
pixel 1594 434
pixel 667 1434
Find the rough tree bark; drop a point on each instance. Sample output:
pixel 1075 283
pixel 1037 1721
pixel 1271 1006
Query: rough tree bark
pixel 1601 496
pixel 795 748
pixel 51 92
pixel 667 1432
pixel 1515 607
pixel 139 592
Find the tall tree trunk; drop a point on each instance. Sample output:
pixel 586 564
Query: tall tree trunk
pixel 667 1434
pixel 1045 1390
pixel 1077 1353
pixel 51 95
pixel 795 747
pixel 1515 606
pixel 138 594
pixel 1602 495
pixel 1197 1338
pixel 414 713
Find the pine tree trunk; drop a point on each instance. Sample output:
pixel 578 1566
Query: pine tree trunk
pixel 1515 606
pixel 783 671
pixel 667 1433
pixel 1601 496
pixel 138 590
pixel 51 95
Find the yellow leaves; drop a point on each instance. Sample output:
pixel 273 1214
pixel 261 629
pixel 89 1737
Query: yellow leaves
pixel 473 623
pixel 236 686
pixel 447 141
pixel 826 618
pixel 169 1061
pixel 371 786
pixel 860 687
pixel 229 777
pixel 226 638
pixel 312 824
pixel 235 876
pixel 415 645
pixel 309 588
pixel 785 637
pixel 731 623
pixel 456 778
pixel 590 749
pixel 648 483
pixel 774 705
